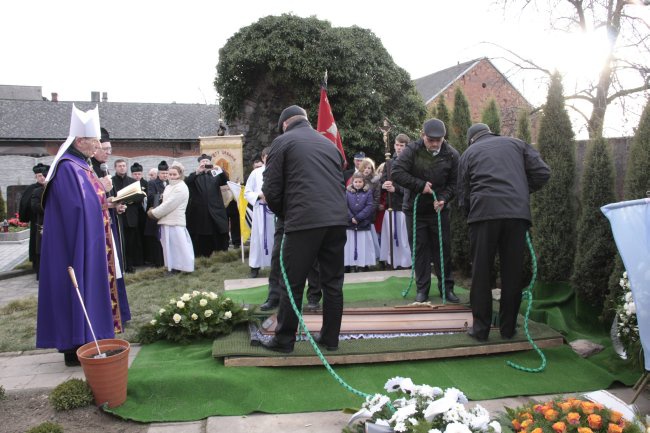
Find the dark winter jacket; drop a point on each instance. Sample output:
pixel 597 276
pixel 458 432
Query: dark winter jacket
pixel 360 207
pixel 496 176
pixel 416 166
pixel 205 209
pixel 303 181
pixel 155 190
pixel 130 216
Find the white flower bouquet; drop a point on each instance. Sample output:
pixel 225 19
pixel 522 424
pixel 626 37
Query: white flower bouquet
pixel 627 329
pixel 192 316
pixel 422 409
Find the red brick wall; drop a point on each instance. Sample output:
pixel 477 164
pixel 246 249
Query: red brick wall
pixel 482 83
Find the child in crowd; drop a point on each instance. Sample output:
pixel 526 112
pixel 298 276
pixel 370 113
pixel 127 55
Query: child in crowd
pixel 367 168
pixel 359 248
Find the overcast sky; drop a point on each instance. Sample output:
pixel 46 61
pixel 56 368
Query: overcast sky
pixel 167 51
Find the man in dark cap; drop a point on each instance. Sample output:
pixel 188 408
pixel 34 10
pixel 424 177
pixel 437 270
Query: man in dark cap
pixel 25 214
pixel 153 249
pixel 207 220
pixel 495 178
pixel 303 178
pixel 128 219
pixel 427 166
pixel 358 158
pixel 36 216
pixel 137 173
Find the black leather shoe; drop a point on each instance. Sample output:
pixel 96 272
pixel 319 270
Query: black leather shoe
pixel 269 305
pixel 312 306
pixel 316 337
pixel 474 335
pixel 70 359
pixel 451 297
pixel 421 297
pixel 275 346
pixel 510 337
pixel 255 272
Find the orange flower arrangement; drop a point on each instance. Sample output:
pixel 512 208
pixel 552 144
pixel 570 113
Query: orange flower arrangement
pixel 571 415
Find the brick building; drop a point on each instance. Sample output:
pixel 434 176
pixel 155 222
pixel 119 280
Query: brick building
pixel 481 81
pixel 32 128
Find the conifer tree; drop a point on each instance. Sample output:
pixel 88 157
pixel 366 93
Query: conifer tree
pixel 637 182
pixel 553 207
pixel 442 113
pixel 523 127
pixel 460 122
pixel 595 243
pixel 491 117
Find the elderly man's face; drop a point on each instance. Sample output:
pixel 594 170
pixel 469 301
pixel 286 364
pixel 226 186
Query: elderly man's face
pixel 137 175
pixel 432 144
pixel 104 151
pixel 88 146
pixel 153 173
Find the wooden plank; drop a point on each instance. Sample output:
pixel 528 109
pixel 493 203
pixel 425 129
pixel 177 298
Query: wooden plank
pixel 405 321
pixel 487 349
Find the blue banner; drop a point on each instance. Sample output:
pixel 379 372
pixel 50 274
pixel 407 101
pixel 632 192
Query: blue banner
pixel 630 222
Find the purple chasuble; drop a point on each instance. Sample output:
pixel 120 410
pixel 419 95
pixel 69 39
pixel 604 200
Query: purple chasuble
pixel 74 234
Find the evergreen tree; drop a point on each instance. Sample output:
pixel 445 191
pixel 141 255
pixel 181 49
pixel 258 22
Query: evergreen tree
pixel 523 127
pixel 637 176
pixel 553 207
pixel 491 117
pixel 595 246
pixel 523 133
pixel 442 113
pixel 637 182
pixel 460 122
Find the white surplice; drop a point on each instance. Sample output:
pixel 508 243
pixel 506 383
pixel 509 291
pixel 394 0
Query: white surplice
pixel 263 227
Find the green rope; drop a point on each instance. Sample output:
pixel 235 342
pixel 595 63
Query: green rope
pixel 405 292
pixel 529 296
pixel 309 336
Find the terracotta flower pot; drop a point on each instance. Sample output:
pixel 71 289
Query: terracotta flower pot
pixel 107 376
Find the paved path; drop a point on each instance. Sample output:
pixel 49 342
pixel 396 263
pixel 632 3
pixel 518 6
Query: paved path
pixel 12 254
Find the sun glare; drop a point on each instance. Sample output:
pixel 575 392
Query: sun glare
pixel 580 56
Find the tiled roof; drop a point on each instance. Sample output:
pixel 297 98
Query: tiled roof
pixel 432 85
pixel 123 120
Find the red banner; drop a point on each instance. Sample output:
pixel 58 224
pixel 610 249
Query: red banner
pixel 327 125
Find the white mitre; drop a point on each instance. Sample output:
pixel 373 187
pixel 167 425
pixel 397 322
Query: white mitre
pixel 82 124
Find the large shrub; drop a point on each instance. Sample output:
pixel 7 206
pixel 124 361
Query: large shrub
pixel 461 120
pixel 595 247
pixel 553 207
pixel 491 117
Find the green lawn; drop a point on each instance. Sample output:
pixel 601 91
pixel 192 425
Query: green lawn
pixel 147 290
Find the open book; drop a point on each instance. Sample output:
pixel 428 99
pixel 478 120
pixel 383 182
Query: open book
pixel 130 194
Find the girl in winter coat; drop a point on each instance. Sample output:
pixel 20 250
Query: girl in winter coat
pixel 176 242
pixel 359 248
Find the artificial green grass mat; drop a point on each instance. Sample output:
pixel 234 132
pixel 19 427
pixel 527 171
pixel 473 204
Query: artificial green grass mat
pixel 169 382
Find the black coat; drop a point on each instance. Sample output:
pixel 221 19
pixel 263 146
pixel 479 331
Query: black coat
pixel 205 209
pixel 155 189
pixel 496 176
pixel 303 180
pixel 416 166
pixel 130 216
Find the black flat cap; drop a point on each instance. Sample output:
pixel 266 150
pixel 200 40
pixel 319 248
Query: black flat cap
pixel 293 110
pixel 434 128
pixel 204 156
pixel 477 130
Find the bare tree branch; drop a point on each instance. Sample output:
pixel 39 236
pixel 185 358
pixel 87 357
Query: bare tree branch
pixel 625 92
pixel 530 63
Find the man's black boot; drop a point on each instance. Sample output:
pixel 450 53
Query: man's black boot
pixel 421 297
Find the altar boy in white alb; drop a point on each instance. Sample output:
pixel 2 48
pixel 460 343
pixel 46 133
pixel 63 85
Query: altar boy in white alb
pixel 263 226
